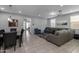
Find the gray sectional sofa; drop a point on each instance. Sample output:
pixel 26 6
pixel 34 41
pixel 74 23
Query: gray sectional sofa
pixel 58 36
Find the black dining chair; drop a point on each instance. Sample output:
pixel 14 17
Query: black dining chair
pixel 19 37
pixel 1 42
pixel 2 31
pixel 1 37
pixel 9 40
pixel 13 30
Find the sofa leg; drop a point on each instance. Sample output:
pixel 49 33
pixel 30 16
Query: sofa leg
pixel 4 51
pixel 19 45
pixel 14 48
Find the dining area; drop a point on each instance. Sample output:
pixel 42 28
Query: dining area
pixel 10 39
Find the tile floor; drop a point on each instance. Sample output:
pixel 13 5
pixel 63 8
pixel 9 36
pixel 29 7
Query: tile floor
pixel 35 44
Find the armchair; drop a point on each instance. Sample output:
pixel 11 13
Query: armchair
pixel 37 31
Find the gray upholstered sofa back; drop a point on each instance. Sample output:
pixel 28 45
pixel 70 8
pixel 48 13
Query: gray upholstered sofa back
pixel 60 37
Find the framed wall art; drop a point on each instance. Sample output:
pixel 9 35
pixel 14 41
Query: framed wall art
pixel 12 23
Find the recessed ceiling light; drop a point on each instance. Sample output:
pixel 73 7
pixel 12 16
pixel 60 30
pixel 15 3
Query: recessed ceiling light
pixel 61 5
pixel 52 13
pixel 2 8
pixel 39 15
pixel 20 11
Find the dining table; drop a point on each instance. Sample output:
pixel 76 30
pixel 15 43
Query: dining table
pixel 18 33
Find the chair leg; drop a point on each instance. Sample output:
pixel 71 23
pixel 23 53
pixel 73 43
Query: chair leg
pixel 21 42
pixel 14 48
pixel 4 51
pixel 0 48
pixel 20 45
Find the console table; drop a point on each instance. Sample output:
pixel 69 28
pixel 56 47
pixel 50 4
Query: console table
pixel 76 36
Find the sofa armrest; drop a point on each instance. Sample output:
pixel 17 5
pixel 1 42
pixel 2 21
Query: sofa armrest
pixel 51 36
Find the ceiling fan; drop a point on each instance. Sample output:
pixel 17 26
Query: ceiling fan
pixel 10 5
pixel 59 13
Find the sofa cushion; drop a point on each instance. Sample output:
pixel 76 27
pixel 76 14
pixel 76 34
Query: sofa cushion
pixel 60 37
pixel 37 31
pixel 49 30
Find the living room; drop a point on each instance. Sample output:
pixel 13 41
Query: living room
pixel 39 29
pixel 54 26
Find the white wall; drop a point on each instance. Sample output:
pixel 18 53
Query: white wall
pixel 53 23
pixel 35 22
pixel 61 19
pixel 38 23
pixel 67 19
pixel 4 21
pixel 48 23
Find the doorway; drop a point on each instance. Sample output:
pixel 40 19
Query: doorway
pixel 27 24
pixel 26 27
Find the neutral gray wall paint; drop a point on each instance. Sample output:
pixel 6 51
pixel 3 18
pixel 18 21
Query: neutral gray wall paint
pixel 4 21
pixel 38 23
pixel 64 18
pixel 61 19
pixel 67 19
pixel 48 23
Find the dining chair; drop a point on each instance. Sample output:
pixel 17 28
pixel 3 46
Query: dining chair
pixel 1 37
pixel 9 40
pixel 13 30
pixel 20 38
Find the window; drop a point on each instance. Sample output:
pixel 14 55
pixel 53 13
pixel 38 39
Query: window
pixel 74 21
pixel 52 22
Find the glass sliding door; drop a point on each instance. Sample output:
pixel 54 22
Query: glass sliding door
pixel 74 22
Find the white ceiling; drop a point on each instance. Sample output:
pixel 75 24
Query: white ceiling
pixel 40 10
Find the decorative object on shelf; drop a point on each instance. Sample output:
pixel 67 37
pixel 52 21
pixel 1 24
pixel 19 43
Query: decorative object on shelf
pixel 12 22
pixel 64 23
pixel 33 24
